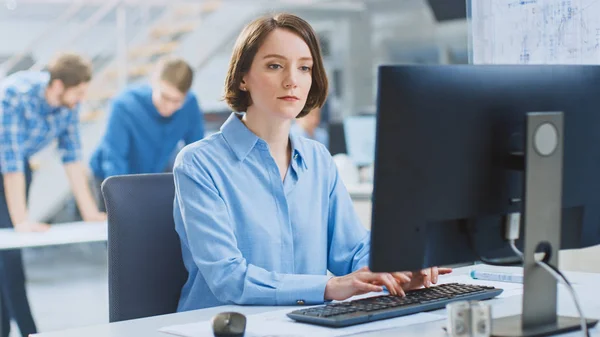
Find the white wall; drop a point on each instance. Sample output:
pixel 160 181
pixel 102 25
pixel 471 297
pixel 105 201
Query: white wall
pixel 16 36
pixel 209 82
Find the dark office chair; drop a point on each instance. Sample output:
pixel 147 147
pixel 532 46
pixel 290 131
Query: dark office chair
pixel 145 266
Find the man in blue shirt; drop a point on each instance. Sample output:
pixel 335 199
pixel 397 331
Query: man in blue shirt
pixel 147 123
pixel 37 108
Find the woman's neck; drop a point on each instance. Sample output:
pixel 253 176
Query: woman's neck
pixel 274 131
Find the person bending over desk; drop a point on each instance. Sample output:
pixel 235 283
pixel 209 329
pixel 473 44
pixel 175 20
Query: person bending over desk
pixel 262 214
pixel 146 124
pixel 37 108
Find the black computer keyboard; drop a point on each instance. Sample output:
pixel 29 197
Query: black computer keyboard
pixel 370 309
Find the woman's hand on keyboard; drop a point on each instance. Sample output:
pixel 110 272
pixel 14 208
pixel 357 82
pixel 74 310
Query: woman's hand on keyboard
pixel 423 278
pixel 364 281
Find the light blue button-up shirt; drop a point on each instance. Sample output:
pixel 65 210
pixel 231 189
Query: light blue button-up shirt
pixel 249 238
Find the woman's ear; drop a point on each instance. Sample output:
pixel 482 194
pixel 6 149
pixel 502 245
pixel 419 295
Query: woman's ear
pixel 243 86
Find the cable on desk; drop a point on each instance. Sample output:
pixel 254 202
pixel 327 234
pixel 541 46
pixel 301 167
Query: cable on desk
pixel 516 250
pixel 470 228
pixel 560 277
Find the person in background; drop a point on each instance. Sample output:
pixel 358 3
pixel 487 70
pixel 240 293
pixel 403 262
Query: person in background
pixel 308 127
pixel 262 213
pixel 147 124
pixel 37 108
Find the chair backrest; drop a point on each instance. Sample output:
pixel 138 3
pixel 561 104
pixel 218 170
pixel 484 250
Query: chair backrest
pixel 145 265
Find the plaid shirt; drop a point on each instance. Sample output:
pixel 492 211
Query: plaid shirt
pixel 28 123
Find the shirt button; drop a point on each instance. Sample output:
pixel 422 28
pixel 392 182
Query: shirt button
pixel 300 302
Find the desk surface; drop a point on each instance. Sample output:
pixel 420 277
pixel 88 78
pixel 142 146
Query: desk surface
pixel 362 191
pixel 148 327
pixel 58 234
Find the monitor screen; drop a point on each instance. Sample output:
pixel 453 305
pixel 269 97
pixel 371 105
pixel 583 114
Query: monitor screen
pixel 360 139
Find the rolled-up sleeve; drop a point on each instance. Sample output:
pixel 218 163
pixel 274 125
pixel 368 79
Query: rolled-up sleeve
pixel 69 141
pixel 214 249
pixel 11 132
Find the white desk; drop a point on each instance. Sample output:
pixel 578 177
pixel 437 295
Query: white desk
pixel 362 191
pixel 58 234
pixel 148 327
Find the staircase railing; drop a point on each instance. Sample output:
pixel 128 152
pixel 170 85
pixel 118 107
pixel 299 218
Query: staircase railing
pixel 51 29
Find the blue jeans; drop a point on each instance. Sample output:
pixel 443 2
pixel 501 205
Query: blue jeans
pixel 13 295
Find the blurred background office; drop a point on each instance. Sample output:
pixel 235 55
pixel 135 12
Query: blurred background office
pixel 125 38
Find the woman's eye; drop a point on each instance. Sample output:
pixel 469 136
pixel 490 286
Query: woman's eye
pixel 305 68
pixel 274 66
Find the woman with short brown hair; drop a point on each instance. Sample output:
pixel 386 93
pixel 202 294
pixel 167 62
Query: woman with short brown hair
pixel 262 214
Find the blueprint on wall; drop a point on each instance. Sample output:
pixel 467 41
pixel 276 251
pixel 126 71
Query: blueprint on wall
pixel 535 31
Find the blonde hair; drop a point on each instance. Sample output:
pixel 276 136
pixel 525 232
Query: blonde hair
pixel 177 72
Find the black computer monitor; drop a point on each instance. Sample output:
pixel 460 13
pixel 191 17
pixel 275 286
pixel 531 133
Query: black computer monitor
pixel 451 162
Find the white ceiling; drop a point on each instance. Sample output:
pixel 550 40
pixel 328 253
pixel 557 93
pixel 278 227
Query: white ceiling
pixel 48 10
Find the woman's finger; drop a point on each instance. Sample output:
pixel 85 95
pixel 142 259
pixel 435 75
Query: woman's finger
pixel 426 277
pixel 381 279
pixel 389 282
pixel 401 277
pixel 397 288
pixel 371 277
pixel 444 271
pixel 365 287
pixel 434 275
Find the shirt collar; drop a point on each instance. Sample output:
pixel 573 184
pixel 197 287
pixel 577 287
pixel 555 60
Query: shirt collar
pixel 242 140
pixel 239 137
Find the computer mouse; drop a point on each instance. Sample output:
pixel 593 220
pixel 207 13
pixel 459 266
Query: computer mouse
pixel 229 324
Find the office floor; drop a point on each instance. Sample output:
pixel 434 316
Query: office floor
pixel 67 286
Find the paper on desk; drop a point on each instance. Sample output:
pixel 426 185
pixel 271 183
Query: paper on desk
pixel 277 324
pixel 510 289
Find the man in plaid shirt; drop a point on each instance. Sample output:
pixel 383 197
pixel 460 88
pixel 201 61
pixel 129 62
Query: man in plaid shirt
pixel 37 108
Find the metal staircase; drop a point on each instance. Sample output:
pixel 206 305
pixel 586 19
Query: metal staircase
pixel 50 192
pixel 162 38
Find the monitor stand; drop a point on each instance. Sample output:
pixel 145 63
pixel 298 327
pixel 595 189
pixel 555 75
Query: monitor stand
pixel 542 221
